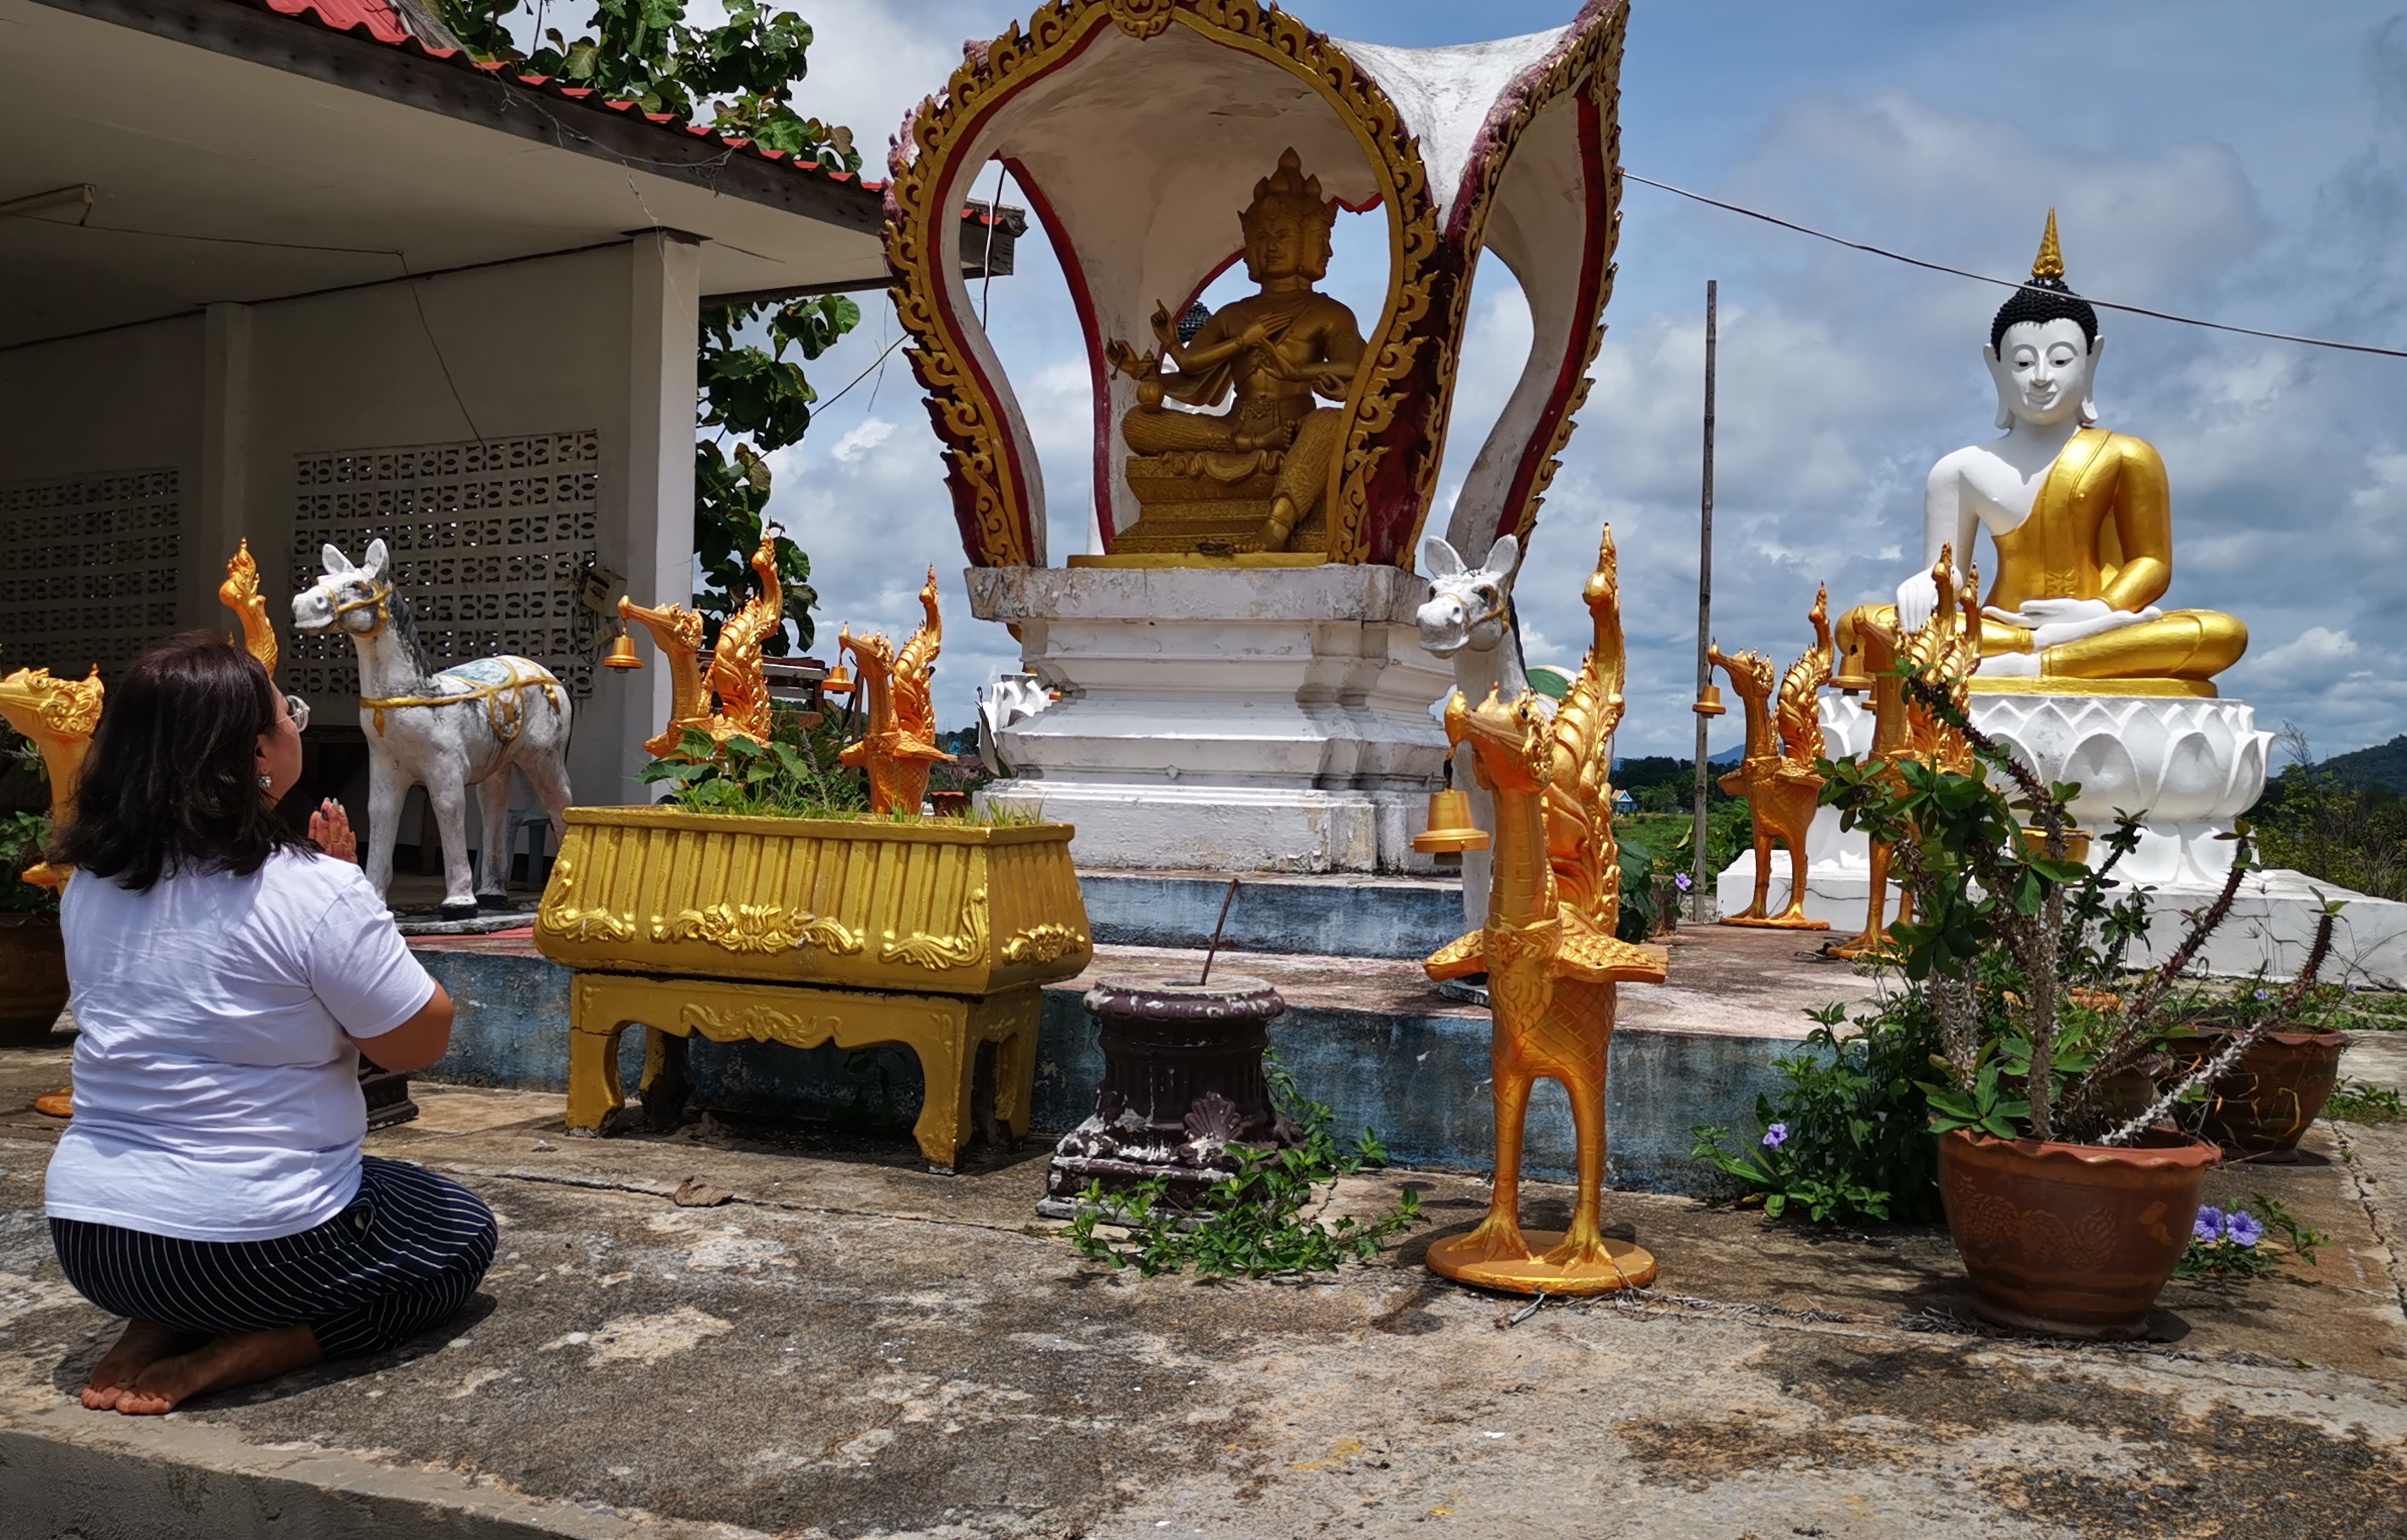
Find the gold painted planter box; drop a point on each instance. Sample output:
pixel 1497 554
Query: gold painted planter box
pixel 805 931
pixel 945 909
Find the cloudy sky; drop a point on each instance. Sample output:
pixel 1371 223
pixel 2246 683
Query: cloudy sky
pixel 2238 162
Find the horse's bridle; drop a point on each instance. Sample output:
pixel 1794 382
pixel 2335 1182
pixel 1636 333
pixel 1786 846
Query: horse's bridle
pixel 378 595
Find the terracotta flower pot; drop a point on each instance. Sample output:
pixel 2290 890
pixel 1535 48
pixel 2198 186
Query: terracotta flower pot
pixel 2268 1098
pixel 2071 1239
pixel 33 978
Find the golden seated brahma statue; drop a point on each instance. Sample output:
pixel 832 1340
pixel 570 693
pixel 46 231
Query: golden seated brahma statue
pixel 1252 482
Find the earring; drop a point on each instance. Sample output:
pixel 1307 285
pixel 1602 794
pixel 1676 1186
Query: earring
pixel 266 782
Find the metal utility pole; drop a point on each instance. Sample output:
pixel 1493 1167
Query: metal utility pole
pixel 1699 902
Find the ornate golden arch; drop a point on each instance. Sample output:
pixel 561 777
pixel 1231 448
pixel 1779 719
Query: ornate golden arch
pixel 1592 67
pixel 1387 444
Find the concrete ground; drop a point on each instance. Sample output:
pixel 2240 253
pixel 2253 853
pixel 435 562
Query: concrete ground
pixel 1724 981
pixel 849 1346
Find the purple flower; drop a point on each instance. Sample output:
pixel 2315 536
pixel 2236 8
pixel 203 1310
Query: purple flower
pixel 1683 883
pixel 1775 1135
pixel 2209 1227
pixel 2264 994
pixel 2241 1228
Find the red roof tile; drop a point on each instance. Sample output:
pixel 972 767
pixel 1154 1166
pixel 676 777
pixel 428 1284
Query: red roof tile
pixel 383 23
pixel 378 21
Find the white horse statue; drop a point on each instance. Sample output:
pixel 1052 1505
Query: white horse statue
pixel 1011 700
pixel 465 727
pixel 1469 621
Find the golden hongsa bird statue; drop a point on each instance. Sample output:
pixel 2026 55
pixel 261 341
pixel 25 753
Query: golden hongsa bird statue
pixel 239 593
pixel 898 742
pixel 59 715
pixel 1776 777
pixel 1552 960
pixel 737 678
pixel 1947 652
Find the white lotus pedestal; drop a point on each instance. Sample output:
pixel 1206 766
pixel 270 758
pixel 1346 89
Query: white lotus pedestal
pixel 2187 766
pixel 1224 718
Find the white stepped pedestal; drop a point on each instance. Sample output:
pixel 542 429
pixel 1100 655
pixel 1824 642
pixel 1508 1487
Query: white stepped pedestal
pixel 1230 719
pixel 2188 767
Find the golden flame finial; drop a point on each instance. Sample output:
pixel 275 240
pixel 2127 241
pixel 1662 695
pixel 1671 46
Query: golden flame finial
pixel 2049 263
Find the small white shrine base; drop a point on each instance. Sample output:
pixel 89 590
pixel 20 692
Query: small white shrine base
pixel 2188 767
pixel 1233 719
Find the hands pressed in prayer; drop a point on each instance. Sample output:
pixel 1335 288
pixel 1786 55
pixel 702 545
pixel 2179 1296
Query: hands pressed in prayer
pixel 329 829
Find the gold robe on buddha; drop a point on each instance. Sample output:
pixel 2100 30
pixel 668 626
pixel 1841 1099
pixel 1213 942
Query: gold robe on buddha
pixel 2101 528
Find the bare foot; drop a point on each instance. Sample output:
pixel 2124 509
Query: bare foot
pixel 142 1344
pixel 216 1364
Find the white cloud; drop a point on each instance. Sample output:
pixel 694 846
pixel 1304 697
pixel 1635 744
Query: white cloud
pixel 864 436
pixel 2315 650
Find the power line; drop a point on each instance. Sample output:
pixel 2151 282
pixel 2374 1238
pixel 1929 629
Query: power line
pixel 2012 283
pixel 863 375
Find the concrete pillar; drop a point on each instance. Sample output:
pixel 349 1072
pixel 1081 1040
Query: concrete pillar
pixel 220 512
pixel 650 541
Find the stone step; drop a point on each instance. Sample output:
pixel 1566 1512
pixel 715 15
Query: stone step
pixel 1335 914
pixel 1368 1035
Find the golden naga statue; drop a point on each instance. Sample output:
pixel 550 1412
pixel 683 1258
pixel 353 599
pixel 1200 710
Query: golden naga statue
pixel 1778 780
pixel 898 742
pixel 59 715
pixel 239 593
pixel 1948 653
pixel 1254 478
pixel 736 676
pixel 2083 522
pixel 1550 954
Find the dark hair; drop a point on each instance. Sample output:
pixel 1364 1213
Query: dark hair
pixel 2039 302
pixel 172 782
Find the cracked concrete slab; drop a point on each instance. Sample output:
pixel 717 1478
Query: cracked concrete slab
pixel 852 1348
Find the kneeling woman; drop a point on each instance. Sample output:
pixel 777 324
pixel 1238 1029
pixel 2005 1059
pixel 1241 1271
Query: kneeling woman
pixel 227 976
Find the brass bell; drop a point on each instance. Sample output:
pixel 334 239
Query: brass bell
pixel 622 653
pixel 2076 842
pixel 838 680
pixel 1709 703
pixel 1852 677
pixel 1450 828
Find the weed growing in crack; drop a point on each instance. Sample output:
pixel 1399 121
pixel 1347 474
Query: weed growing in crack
pixel 1253 1223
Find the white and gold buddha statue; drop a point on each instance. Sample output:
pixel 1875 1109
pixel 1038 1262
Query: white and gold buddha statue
pixel 1252 478
pixel 2081 522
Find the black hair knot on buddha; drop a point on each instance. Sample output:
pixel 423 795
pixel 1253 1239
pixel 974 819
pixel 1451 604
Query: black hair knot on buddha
pixel 2040 301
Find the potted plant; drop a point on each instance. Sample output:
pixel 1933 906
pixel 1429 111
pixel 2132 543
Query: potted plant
pixel 33 959
pixel 762 872
pixel 2285 1074
pixel 2069 1199
pixel 761 865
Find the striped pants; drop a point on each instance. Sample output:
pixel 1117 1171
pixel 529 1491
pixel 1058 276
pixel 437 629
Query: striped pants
pixel 401 1260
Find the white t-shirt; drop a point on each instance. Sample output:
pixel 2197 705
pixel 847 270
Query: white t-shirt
pixel 216 1093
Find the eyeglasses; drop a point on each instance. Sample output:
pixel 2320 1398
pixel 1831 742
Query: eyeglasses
pixel 298 709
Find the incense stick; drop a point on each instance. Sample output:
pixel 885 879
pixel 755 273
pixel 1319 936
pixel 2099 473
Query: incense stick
pixel 1215 949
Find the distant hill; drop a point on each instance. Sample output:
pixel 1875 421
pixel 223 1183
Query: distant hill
pixel 2384 764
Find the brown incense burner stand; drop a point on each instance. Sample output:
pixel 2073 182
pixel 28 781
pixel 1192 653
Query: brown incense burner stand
pixel 387 1094
pixel 1182 1084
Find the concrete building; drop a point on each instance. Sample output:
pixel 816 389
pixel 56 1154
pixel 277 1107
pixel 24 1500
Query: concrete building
pixel 285 271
